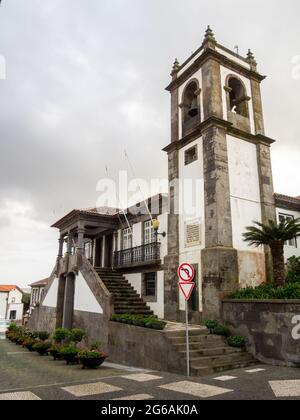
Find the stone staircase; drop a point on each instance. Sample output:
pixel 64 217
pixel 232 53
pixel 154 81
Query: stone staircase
pixel 126 299
pixel 208 353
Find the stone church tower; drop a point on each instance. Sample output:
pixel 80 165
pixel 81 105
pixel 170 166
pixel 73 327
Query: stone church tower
pixel 218 139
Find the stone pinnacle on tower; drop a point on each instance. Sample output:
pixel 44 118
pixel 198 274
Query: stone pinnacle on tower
pixel 251 59
pixel 176 67
pixel 209 38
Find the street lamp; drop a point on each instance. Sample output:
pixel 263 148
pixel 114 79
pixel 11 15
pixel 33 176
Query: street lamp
pixel 156 225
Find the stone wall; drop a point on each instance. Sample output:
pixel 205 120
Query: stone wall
pixel 268 327
pixel 142 347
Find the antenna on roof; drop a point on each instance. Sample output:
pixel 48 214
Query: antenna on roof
pixel 139 187
pixel 119 204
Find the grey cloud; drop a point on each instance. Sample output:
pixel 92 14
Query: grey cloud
pixel 78 73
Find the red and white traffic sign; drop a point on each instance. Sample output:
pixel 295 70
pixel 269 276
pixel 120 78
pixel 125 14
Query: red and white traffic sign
pixel 187 289
pixel 186 272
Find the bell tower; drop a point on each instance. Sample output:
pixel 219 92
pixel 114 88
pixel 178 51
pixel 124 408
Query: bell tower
pixel 218 141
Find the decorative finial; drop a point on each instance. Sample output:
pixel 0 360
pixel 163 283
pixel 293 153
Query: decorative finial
pixel 209 35
pixel 176 66
pixel 251 58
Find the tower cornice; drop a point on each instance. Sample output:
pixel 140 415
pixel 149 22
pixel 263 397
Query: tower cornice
pixel 208 54
pixel 215 122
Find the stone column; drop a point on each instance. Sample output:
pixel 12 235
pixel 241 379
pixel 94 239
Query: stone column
pixel 69 301
pixel 80 242
pixel 61 247
pixel 60 301
pixel 171 262
pixel 268 207
pixel 69 244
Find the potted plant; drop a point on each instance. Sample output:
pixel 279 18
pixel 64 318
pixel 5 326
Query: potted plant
pixel 42 347
pixel 91 359
pixel 43 335
pixel 69 353
pixel 77 335
pixel 60 335
pixel 29 343
pixel 55 351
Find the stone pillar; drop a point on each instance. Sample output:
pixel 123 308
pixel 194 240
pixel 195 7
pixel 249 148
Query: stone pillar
pixel 80 241
pixel 60 301
pixel 257 107
pixel 268 207
pixel 219 258
pixel 212 89
pixel 61 247
pixel 171 292
pixel 69 301
pixel 69 244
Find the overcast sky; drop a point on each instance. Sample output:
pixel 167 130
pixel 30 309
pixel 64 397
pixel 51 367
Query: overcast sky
pixel 86 78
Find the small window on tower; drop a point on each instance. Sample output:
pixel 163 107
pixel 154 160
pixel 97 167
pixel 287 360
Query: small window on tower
pixel 191 155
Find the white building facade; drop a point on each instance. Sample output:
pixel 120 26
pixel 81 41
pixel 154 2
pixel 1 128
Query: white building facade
pixel 11 305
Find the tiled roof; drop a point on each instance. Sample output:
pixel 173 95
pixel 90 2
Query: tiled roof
pixel 7 288
pixel 40 283
pixel 287 202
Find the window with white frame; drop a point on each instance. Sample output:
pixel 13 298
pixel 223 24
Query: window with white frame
pixel 126 238
pixel 149 233
pixel 287 217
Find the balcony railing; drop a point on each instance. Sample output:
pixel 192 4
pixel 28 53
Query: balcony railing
pixel 140 255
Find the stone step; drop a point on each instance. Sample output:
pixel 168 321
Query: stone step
pixel 119 288
pixel 111 276
pixel 208 370
pixel 202 339
pixel 133 312
pixel 208 351
pixel 124 295
pixel 200 361
pixel 182 333
pixel 135 306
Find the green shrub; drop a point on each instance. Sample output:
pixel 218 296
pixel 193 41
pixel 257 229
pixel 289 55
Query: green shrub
pixel 140 321
pixel 268 291
pixel 77 335
pixel 97 345
pixel 293 270
pixel 43 335
pixel 42 347
pixel 88 354
pixel 60 335
pixel 211 324
pixel 236 341
pixel 68 350
pixel 13 328
pixel 221 330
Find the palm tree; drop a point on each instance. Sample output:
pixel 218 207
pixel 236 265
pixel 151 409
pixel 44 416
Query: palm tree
pixel 274 235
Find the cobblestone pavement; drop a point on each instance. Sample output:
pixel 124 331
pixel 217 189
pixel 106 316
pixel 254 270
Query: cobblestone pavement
pixel 28 376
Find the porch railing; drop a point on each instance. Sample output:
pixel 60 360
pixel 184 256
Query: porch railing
pixel 140 255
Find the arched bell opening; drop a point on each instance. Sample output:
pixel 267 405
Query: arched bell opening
pixel 190 107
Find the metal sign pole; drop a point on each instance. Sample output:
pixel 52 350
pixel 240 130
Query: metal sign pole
pixel 187 338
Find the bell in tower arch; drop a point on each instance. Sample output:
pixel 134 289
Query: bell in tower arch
pixel 193 111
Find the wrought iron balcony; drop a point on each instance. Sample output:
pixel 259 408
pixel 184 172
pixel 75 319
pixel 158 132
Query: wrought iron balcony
pixel 141 255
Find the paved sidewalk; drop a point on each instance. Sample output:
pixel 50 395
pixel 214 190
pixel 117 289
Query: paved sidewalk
pixel 25 376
